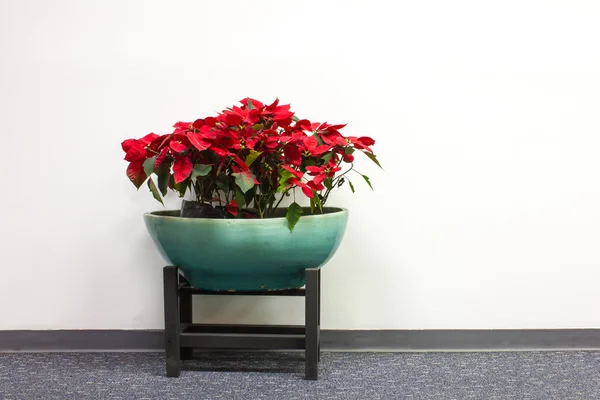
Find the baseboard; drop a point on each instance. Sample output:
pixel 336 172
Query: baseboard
pixel 463 340
pixel 81 340
pixel 332 340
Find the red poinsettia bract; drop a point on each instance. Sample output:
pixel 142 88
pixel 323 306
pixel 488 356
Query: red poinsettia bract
pixel 248 156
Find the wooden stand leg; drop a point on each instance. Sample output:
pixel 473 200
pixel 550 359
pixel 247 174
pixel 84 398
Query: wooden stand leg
pixel 185 311
pixel 319 319
pixel 171 289
pixel 312 324
pixel 178 311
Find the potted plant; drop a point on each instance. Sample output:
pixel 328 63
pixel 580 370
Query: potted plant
pixel 238 167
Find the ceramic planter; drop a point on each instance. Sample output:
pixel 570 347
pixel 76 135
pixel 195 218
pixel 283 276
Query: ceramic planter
pixel 247 254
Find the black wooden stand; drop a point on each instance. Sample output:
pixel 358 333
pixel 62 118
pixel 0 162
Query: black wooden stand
pixel 182 336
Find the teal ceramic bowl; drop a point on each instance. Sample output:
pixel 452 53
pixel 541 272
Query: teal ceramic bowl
pixel 246 254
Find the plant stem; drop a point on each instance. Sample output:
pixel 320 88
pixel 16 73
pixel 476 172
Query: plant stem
pixel 258 207
pixel 280 200
pixel 270 202
pixel 334 183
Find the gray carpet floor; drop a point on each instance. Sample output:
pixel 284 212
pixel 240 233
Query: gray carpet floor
pixel 257 376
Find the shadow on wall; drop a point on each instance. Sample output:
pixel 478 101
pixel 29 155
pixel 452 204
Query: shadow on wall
pixel 355 282
pixel 119 284
pixel 358 288
pixel 249 310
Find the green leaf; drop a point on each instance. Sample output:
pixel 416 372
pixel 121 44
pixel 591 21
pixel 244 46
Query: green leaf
pixel 163 173
pixel 200 170
pixel 240 199
pixel 328 182
pixel 293 214
pixel 249 196
pixel 249 105
pixel 250 158
pixel 149 166
pixel 318 201
pixel 373 158
pixel 258 127
pixel 368 181
pixel 349 150
pixel 244 180
pixel 181 187
pixel 294 118
pixel 223 183
pixel 327 157
pixel 154 191
pixel 285 175
pixel 352 186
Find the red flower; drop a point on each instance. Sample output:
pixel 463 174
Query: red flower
pixel 219 151
pixel 210 121
pixel 135 173
pixel 246 139
pixel 311 148
pixel 241 164
pixel 361 143
pixel 159 142
pixel 366 141
pixel 334 138
pixel 199 141
pixel 271 106
pixel 315 185
pixel 180 143
pixel 255 103
pixel 182 168
pixel 333 127
pixel 324 171
pixel 296 180
pixel 304 125
pixel 305 189
pixel 282 114
pixel 215 151
pixel 234 117
pixel 232 208
pixel 270 140
pixel 297 174
pixel 199 123
pixel 292 154
pixel 146 140
pixel 161 157
pixel 134 150
pixel 182 127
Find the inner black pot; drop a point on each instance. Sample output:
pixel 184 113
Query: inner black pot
pixel 195 209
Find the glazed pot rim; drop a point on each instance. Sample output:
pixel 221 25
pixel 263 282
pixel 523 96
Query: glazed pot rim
pixel 335 211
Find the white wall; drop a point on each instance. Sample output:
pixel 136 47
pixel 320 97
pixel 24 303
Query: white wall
pixel 487 121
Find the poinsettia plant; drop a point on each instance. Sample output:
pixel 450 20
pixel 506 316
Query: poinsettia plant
pixel 248 156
